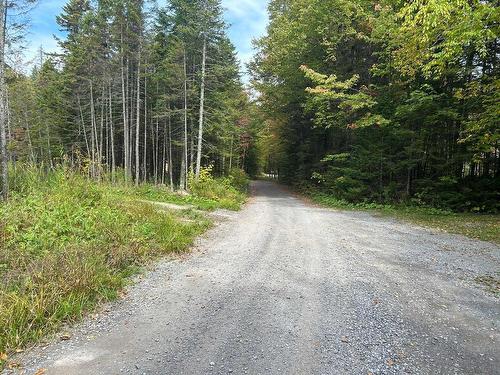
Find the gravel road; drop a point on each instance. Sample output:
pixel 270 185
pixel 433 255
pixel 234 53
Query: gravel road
pixel 284 287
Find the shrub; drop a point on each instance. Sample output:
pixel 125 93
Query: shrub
pixel 238 179
pixel 220 190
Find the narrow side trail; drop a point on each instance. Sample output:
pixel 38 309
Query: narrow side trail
pixel 288 288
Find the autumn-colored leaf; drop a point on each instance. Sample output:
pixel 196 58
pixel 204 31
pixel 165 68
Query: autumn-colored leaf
pixel 13 365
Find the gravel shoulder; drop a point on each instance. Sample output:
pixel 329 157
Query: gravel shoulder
pixel 284 287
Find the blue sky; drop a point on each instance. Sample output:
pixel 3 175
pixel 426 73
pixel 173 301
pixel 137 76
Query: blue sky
pixel 248 19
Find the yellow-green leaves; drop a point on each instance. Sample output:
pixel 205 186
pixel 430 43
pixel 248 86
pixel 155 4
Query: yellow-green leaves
pixel 436 33
pixel 340 103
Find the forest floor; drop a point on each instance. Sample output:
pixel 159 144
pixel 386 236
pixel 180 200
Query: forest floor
pixel 286 287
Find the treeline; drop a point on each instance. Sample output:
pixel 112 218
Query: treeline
pixel 384 101
pixel 138 93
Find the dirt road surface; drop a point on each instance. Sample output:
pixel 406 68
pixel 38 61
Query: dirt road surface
pixel 284 287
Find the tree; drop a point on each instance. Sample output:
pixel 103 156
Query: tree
pixel 156 93
pixel 405 109
pixel 15 27
pixel 3 110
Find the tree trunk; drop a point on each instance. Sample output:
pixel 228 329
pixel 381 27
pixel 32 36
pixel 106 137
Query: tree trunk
pixel 231 154
pixel 101 130
pixel 92 134
pixel 112 131
pixel 170 164
pixel 144 154
pixel 3 139
pixel 124 115
pixel 138 123
pixel 100 154
pixel 9 132
pixel 202 103
pixel 164 156
pixel 184 167
pixel 153 149
pixel 191 147
pixel 157 149
pixel 83 125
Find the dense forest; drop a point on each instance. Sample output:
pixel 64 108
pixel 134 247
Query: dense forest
pixel 386 101
pixel 138 93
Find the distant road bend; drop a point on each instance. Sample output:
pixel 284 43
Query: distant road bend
pixel 284 287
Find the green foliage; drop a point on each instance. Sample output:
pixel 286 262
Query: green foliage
pixel 238 179
pixel 406 111
pixel 83 104
pixel 352 104
pixel 224 191
pixel 434 34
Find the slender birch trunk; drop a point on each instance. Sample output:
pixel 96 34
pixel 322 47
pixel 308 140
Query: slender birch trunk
pixel 138 123
pixel 3 138
pixel 101 130
pixel 112 131
pixel 92 133
pixel 202 109
pixel 155 144
pixel 170 163
pixel 83 125
pixel 231 154
pixel 144 154
pixel 185 156
pixel 124 115
pixel 9 132
pixel 191 147
pixel 157 149
pixel 108 136
pixel 153 150
pixel 164 155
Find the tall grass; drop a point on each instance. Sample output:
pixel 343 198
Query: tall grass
pixel 67 243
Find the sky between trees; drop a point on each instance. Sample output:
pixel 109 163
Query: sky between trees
pixel 247 20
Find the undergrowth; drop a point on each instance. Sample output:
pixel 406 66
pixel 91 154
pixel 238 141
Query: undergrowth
pixel 67 244
pixel 229 192
pixel 485 227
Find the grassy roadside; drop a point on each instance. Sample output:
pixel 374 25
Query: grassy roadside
pixel 68 244
pixel 478 226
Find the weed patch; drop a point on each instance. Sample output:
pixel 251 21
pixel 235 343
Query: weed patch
pixel 67 244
